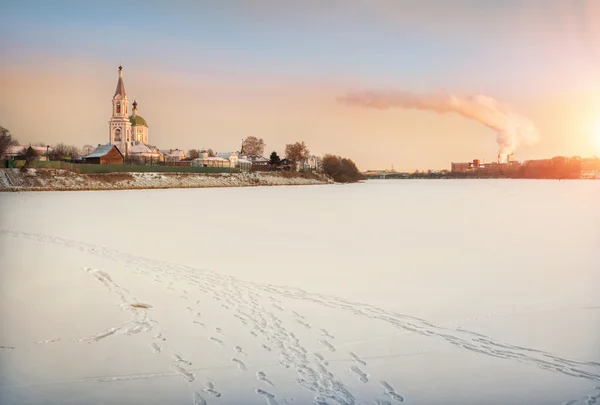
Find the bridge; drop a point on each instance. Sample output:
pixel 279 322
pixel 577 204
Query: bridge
pixel 383 174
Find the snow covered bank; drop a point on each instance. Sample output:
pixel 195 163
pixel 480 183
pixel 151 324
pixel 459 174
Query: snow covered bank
pixel 50 179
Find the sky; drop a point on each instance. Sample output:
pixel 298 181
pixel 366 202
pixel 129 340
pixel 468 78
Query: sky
pixel 207 74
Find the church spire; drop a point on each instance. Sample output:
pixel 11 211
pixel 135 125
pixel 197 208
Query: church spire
pixel 120 91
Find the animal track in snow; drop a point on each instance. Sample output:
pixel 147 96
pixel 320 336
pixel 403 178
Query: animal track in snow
pixel 155 348
pixel 238 349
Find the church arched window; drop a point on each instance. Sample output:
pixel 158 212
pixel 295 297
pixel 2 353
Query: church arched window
pixel 118 135
pixel 118 108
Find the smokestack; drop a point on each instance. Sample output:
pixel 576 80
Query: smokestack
pixel 511 128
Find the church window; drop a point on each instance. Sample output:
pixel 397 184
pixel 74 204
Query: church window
pixel 118 108
pixel 118 135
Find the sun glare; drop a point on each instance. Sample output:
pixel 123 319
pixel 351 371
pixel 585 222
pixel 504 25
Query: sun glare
pixel 596 135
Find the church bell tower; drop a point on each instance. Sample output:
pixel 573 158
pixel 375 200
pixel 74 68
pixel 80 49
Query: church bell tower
pixel 119 124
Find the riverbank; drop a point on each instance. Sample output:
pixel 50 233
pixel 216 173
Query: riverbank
pixel 63 180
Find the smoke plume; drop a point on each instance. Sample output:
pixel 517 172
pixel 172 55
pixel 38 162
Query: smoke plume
pixel 511 128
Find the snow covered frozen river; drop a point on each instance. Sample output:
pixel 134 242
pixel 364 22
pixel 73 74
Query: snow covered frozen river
pixel 390 291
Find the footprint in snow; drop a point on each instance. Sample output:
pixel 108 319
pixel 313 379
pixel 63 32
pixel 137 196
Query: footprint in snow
pixel 263 377
pixel 210 388
pixel 238 349
pixel 240 364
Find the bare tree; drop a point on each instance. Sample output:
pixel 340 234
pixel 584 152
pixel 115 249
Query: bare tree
pixel 63 152
pixel 211 153
pixel 87 149
pixel 193 154
pixel 297 152
pixel 253 146
pixel 5 140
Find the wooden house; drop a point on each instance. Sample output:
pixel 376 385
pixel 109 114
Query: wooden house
pixel 105 155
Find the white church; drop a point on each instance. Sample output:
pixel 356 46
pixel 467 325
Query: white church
pixel 127 132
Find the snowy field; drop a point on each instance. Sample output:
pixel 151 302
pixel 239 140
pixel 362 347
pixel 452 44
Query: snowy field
pixel 415 292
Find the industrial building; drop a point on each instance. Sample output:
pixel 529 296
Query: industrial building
pixel 478 164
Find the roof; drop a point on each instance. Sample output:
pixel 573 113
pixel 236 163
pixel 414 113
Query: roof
pixel 137 120
pixel 257 158
pixel 40 150
pixel 16 150
pixel 173 152
pixel 220 159
pixel 244 161
pixel 142 148
pixel 120 91
pixel 226 155
pixel 101 150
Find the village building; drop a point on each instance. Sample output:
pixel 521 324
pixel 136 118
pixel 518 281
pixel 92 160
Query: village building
pixel 232 157
pixel 105 155
pixel 15 152
pixel 173 155
pixel 259 163
pixel 144 152
pixel 211 161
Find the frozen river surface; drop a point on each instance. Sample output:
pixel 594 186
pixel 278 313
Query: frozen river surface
pixel 416 292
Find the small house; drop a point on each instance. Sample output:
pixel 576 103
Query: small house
pixel 105 155
pixel 259 163
pixel 286 165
